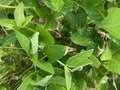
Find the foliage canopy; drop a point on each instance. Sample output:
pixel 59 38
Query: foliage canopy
pixel 59 44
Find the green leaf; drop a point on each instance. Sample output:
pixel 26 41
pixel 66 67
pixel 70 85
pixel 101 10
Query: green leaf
pixel 35 43
pixel 56 87
pixel 68 77
pixel 59 80
pixel 107 55
pixel 102 85
pixel 96 62
pixel 43 81
pixel 43 65
pixel 33 80
pixel 68 5
pixel 113 64
pixel 27 20
pixel 55 52
pixel 9 23
pixel 94 9
pixel 34 5
pixel 19 14
pixel 76 20
pixel 26 83
pixel 2 53
pixel 10 38
pixel 6 2
pixel 3 70
pixel 3 87
pixel 80 82
pixel 28 80
pixel 80 59
pixel 55 5
pixel 112 22
pixel 23 40
pixel 46 67
pixel 44 36
pixel 76 38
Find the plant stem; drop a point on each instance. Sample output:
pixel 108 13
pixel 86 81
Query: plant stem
pixel 62 64
pixel 12 7
pixel 5 6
